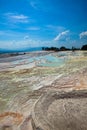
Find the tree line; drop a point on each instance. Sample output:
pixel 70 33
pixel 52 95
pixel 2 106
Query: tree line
pixel 63 48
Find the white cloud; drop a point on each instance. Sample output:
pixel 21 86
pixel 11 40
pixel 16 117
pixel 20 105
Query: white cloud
pixel 33 4
pixel 61 35
pixel 33 28
pixel 41 5
pixel 17 18
pixel 83 34
pixel 37 4
pixel 21 16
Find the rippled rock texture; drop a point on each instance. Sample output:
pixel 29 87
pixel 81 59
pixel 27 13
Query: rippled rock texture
pixel 61 111
pixel 24 79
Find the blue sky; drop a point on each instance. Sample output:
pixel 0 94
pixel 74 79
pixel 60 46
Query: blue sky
pixel 35 23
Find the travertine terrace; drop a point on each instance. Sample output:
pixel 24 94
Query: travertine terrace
pixel 28 82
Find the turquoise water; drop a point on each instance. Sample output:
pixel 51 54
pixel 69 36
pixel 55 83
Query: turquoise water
pixel 51 64
pixel 52 61
pixel 48 60
pixel 45 60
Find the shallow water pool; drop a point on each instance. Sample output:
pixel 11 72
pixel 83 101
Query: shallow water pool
pixel 51 61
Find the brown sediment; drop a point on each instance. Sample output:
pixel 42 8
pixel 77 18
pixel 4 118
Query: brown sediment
pixel 17 118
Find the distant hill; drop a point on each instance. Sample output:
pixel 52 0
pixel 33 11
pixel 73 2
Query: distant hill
pixel 22 50
pixel 3 50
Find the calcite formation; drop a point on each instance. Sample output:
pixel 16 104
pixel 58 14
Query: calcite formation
pixel 61 110
pixel 44 91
